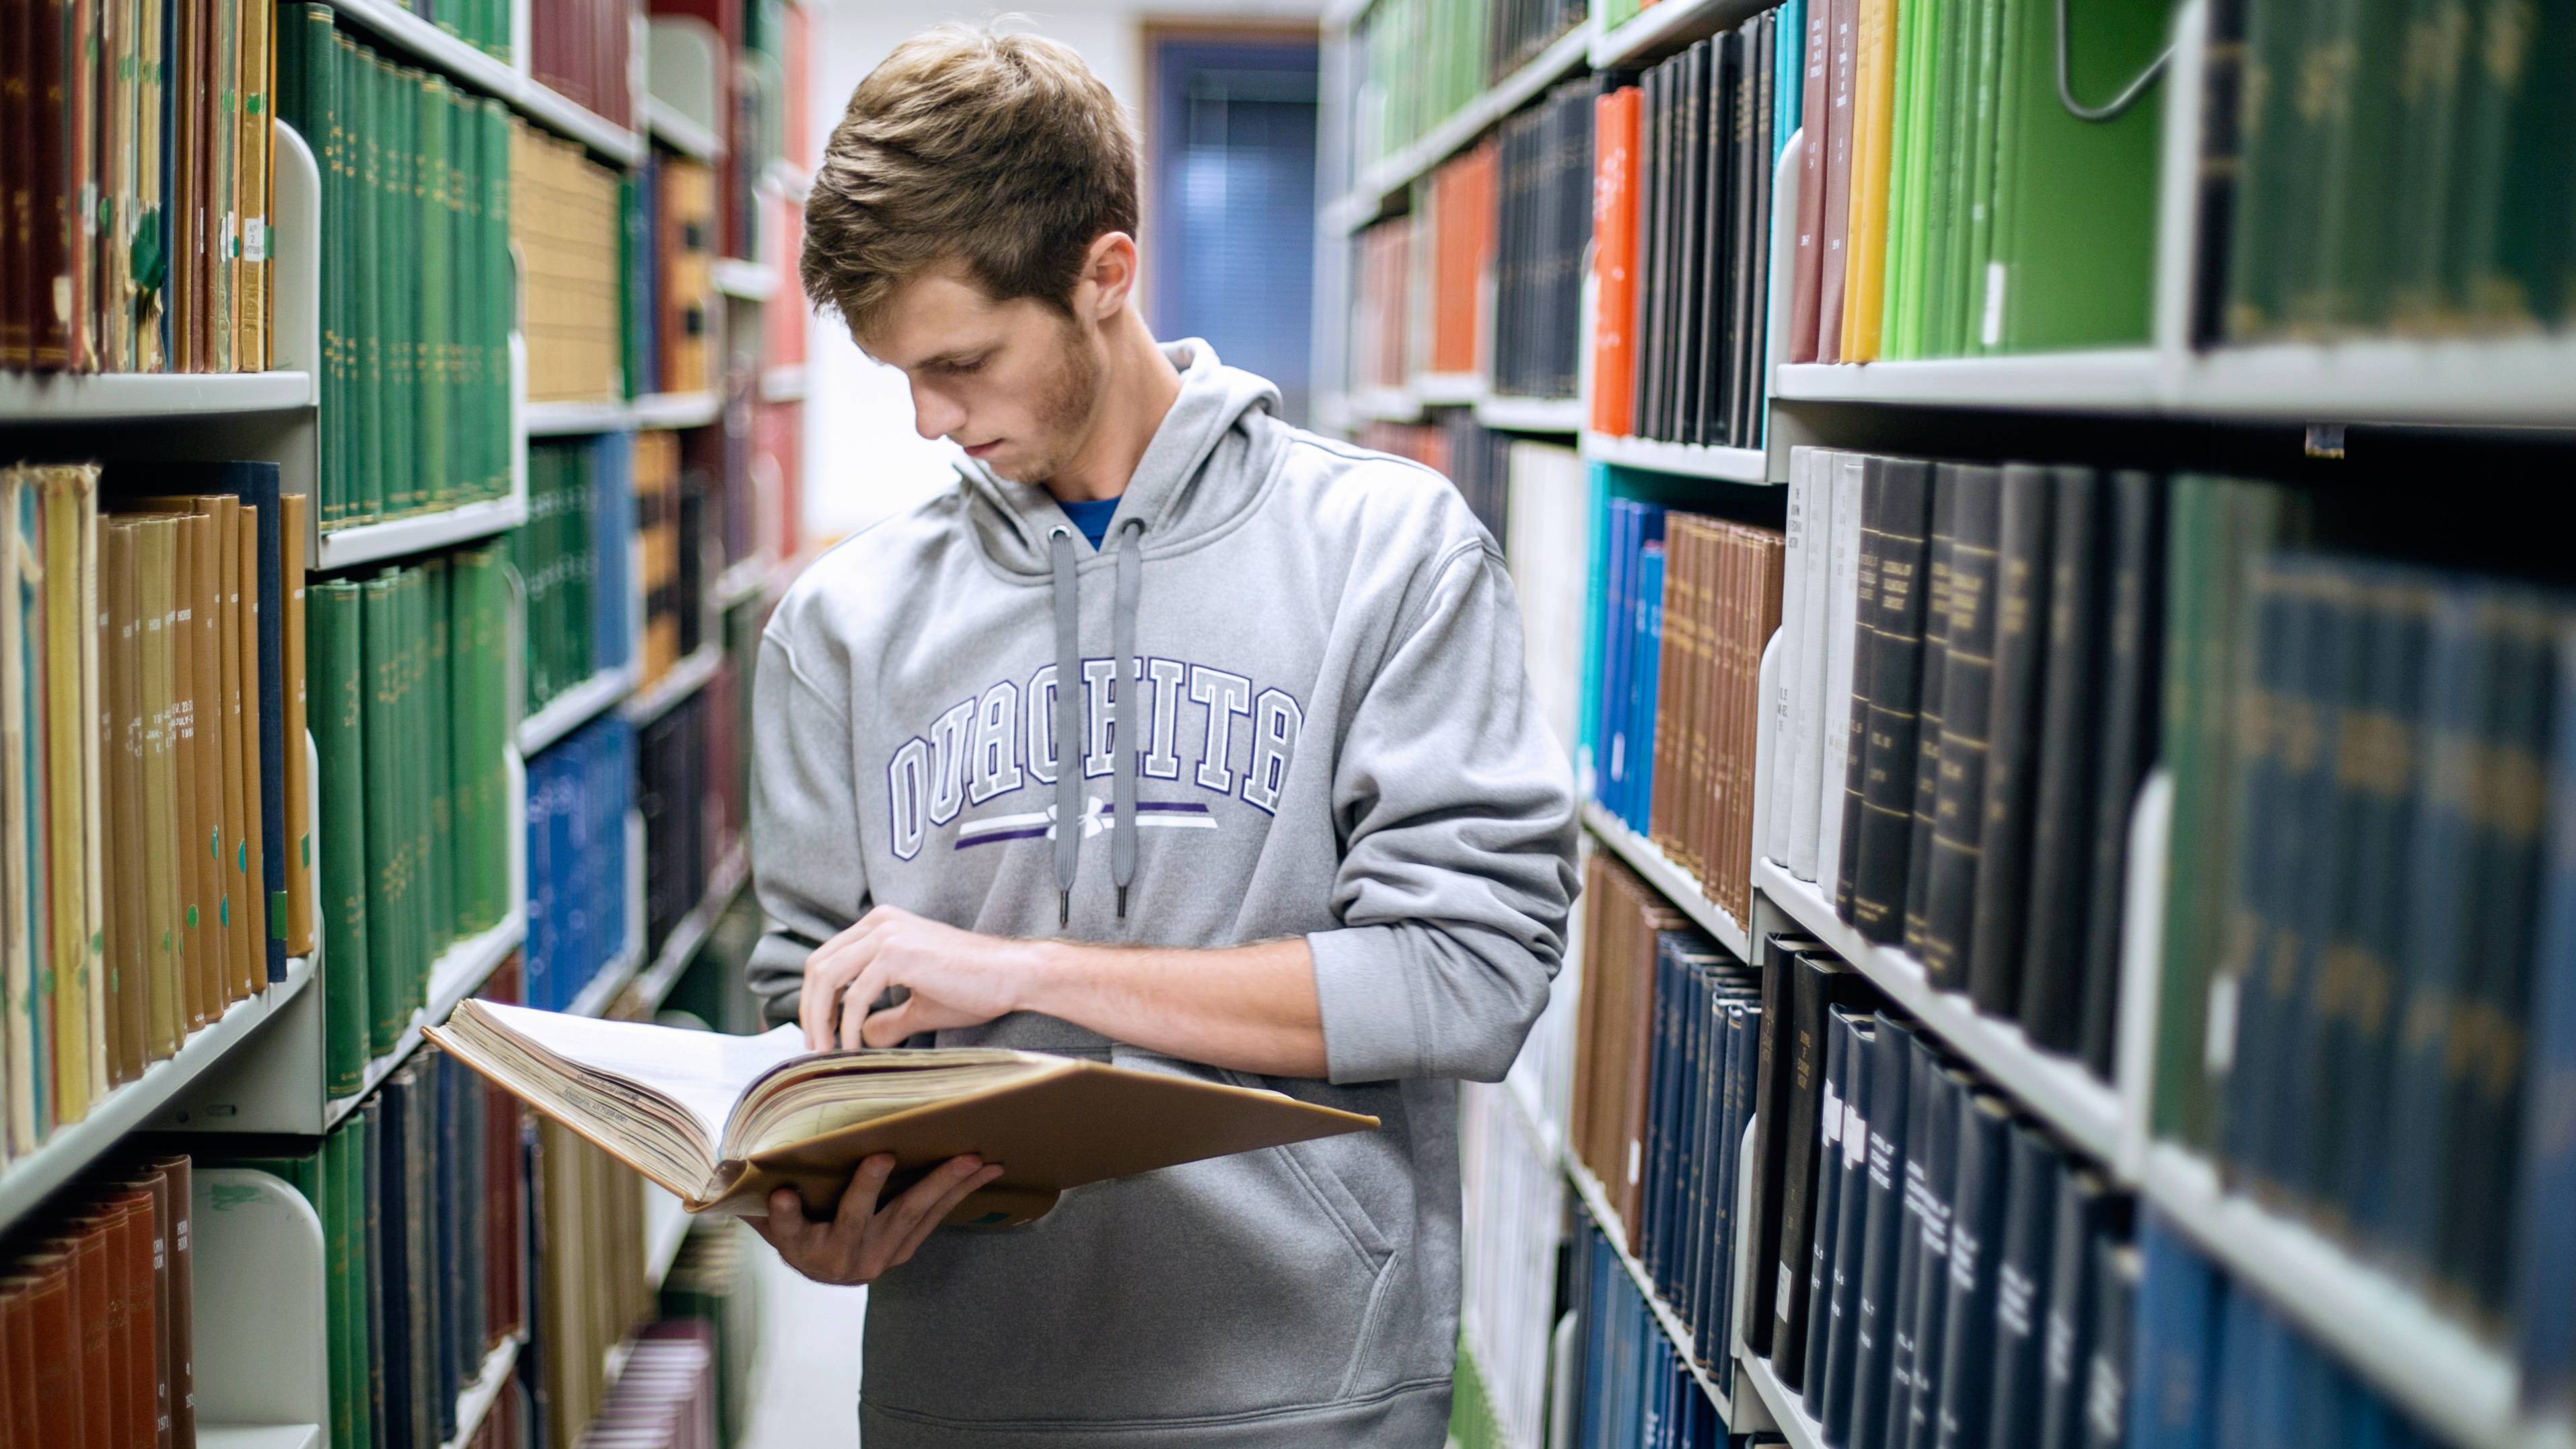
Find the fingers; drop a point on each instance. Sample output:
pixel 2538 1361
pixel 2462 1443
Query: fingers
pixel 897 1220
pixel 785 1228
pixel 889 1027
pixel 940 1210
pixel 828 974
pixel 859 1199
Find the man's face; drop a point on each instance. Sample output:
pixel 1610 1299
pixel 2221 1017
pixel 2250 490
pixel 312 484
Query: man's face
pixel 1016 384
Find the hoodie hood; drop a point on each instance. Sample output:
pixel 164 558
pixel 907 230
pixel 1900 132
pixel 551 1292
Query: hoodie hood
pixel 1223 414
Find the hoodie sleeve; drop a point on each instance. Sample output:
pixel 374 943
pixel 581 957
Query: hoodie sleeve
pixel 1457 808
pixel 806 865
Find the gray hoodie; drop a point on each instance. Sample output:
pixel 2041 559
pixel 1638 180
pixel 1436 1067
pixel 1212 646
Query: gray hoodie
pixel 1333 737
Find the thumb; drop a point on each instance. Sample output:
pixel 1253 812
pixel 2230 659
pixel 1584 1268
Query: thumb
pixel 891 1026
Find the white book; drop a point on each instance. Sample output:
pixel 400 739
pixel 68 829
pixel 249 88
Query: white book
pixel 1806 742
pixel 1842 608
pixel 1547 546
pixel 1783 764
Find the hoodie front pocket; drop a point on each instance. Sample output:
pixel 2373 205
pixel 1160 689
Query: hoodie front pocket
pixel 1338 1203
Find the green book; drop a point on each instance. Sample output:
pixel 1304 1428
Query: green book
pixel 365 77
pixel 1997 153
pixel 338 1283
pixel 2317 105
pixel 2528 279
pixel 334 664
pixel 500 287
pixel 475 737
pixel 633 294
pixel 402 131
pixel 388 996
pixel 436 290
pixel 2074 235
pixel 2356 220
pixel 370 1225
pixel 1962 26
pixel 2435 37
pixel 1975 180
pixel 1917 39
pixel 427 936
pixel 2515 121
pixel 438 779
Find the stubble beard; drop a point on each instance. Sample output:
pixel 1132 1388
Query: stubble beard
pixel 1067 408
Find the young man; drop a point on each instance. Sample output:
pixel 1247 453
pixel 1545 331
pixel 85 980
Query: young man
pixel 1171 736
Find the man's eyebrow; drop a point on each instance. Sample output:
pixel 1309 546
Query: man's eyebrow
pixel 951 357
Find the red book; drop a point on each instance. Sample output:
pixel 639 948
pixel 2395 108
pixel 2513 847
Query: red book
pixel 1615 121
pixel 1844 41
pixel 1806 289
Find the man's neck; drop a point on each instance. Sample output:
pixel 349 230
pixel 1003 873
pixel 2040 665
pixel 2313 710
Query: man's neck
pixel 1135 394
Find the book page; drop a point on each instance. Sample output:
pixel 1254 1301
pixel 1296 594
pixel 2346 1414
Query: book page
pixel 704 1072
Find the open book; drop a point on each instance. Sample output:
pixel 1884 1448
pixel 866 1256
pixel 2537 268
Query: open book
pixel 723 1121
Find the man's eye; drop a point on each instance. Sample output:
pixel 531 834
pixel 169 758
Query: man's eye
pixel 961 369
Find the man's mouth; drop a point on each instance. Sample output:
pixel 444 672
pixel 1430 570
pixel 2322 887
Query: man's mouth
pixel 981 450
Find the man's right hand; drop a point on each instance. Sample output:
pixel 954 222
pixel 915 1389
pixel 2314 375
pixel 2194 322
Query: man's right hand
pixel 861 1240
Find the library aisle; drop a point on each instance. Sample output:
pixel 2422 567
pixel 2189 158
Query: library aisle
pixel 2013 506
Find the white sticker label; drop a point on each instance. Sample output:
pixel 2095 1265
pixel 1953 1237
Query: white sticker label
pixel 1832 1116
pixel 1855 1136
pixel 1632 1161
pixel 2220 1050
pixel 1993 332
pixel 1781 1295
pixel 254 239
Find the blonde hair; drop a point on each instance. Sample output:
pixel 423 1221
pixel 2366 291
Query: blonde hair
pixel 999 153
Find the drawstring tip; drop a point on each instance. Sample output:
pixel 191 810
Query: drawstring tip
pixel 1063 909
pixel 1122 903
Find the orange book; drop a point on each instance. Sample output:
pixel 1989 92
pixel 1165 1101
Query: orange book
pixel 1615 120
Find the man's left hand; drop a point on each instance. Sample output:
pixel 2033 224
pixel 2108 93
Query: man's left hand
pixel 954 979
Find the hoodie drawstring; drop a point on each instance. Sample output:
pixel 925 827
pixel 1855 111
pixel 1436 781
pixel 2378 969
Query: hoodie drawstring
pixel 1069 689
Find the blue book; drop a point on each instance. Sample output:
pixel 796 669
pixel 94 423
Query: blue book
pixel 1612 702
pixel 2170 1395
pixel 1592 739
pixel 612 482
pixel 2545 1232
pixel 1650 670
pixel 1788 76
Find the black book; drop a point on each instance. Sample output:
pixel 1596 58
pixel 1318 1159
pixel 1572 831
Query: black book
pixel 1923 1076
pixel 1817 980
pixel 1948 490
pixel 1723 261
pixel 1976 1233
pixel 1714 1238
pixel 1670 117
pixel 2022 577
pixel 1703 68
pixel 1942 1128
pixel 1697 1106
pixel 1873 511
pixel 445 1260
pixel 2222 158
pixel 1643 323
pixel 2087 1212
pixel 1967 694
pixel 394 1350
pixel 2115 1271
pixel 1893 1054
pixel 2134 672
pixel 1663 1068
pixel 1752 331
pixel 1771 1095
pixel 2022 1277
pixel 1751 249
pixel 419 1239
pixel 371 1120
pixel 1744 1028
pixel 1851 1226
pixel 1817 1299
pixel 2079 592
pixel 1901 524
pixel 2262 893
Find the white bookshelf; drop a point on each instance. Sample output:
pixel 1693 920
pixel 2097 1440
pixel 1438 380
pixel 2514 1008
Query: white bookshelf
pixel 1684 460
pixel 1677 885
pixel 1388 178
pixel 423 533
pixel 1788 1411
pixel 784 383
pixel 666 1228
pixel 677 683
pixel 474 1402
pixel 1660 29
pixel 459 972
pixel 677 409
pixel 2057 1089
pixel 1596 1203
pixel 575 707
pixel 669 127
pixel 653 984
pixel 1532 414
pixel 745 281
pixel 570 419
pixel 388 26
pixel 741 581
pixel 72 1147
pixel 39 397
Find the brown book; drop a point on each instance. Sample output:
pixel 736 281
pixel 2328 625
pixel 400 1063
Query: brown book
pixel 179 1367
pixel 158 846
pixel 94 1299
pixel 133 1242
pixel 257 88
pixel 199 1002
pixel 122 824
pixel 685 231
pixel 155 1185
pixel 806 1119
pixel 214 519
pixel 1832 239
pixel 295 519
pixel 49 1325
pixel 201 772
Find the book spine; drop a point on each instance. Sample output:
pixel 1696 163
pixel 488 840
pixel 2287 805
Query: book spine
pixel 2130 742
pixel 1944 1125
pixel 1896 623
pixel 1894 1052
pixel 1951 487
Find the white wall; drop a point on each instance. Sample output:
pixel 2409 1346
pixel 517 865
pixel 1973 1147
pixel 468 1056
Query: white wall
pixel 862 458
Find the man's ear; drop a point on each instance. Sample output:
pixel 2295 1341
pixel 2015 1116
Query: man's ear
pixel 1110 267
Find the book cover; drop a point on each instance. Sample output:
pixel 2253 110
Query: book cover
pixel 1950 484
pixel 2001 900
pixel 1965 733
